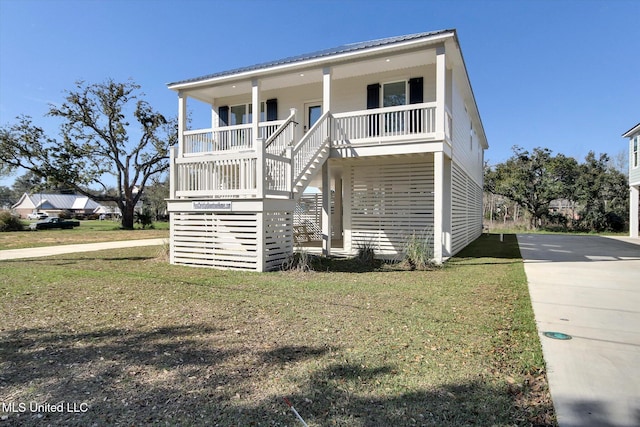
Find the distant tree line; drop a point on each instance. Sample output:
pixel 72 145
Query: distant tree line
pixel 109 133
pixel 556 191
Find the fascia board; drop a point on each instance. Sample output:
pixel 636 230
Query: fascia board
pixel 632 131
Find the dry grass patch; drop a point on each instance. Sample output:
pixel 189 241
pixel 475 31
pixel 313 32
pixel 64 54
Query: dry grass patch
pixel 142 342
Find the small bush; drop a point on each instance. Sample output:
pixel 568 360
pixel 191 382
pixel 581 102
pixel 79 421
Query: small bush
pixel 145 218
pixel 9 222
pixel 366 253
pixel 615 222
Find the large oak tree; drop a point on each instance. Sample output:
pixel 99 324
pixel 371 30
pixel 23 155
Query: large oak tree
pixel 533 180
pixel 108 131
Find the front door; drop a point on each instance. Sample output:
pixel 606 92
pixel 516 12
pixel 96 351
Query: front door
pixel 312 112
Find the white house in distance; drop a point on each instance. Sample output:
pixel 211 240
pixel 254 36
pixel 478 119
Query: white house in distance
pixel 55 204
pixel 388 131
pixel 634 178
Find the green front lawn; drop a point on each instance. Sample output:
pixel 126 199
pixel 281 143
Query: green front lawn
pixel 142 342
pixel 88 232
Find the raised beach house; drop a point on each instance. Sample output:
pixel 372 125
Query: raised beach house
pixel 634 178
pixel 364 144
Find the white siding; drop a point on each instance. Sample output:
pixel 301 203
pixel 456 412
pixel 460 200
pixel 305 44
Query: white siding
pixel 278 232
pixel 634 171
pixel 466 148
pixel 466 209
pixel 390 201
pixel 351 94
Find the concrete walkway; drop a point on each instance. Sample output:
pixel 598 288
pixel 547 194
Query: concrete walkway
pixel 67 249
pixel 589 288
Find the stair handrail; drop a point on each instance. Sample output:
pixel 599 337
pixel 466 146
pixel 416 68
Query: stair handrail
pixel 323 123
pixel 281 148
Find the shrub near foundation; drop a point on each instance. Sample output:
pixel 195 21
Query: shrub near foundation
pixel 10 222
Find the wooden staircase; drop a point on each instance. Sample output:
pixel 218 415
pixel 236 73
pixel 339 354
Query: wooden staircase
pixel 308 155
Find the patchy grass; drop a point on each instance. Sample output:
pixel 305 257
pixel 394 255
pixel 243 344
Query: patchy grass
pixel 142 342
pixel 88 232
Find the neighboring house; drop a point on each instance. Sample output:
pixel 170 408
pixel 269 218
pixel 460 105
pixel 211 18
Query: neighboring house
pixel 387 130
pixel 634 178
pixel 109 210
pixel 55 204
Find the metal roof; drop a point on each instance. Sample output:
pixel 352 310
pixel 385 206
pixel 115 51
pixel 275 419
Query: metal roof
pixel 62 201
pixel 632 131
pixel 318 54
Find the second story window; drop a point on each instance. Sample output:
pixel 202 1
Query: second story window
pixel 239 114
pixel 634 152
pixel 394 94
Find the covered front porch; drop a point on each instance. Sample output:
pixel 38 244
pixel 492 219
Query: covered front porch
pixel 373 133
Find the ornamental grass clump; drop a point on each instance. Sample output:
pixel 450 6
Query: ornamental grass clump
pixel 366 254
pixel 418 250
pixel 299 261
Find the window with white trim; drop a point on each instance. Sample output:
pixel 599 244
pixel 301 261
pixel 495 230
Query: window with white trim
pixel 634 152
pixel 242 114
pixel 394 94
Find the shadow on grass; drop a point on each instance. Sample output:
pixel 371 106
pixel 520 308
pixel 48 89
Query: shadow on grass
pixel 500 247
pixel 189 375
pixel 345 265
pixel 489 249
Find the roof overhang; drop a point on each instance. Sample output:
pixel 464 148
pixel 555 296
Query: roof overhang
pixel 634 130
pixel 346 61
pixel 314 61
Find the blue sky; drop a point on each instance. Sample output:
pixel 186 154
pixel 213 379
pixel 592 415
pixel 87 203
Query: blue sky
pixel 559 74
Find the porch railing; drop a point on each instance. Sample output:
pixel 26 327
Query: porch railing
pixel 307 149
pixel 220 176
pixel 226 138
pixel 232 170
pixel 385 123
pixel 282 137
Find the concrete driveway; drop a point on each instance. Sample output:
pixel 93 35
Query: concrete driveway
pixel 588 287
pixel 68 249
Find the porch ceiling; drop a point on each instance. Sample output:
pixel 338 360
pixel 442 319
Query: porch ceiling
pixel 378 63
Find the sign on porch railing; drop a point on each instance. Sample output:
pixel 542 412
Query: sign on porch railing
pixel 212 206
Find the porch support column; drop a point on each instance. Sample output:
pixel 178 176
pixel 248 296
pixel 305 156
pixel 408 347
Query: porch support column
pixel 326 89
pixel 441 91
pixel 441 206
pixel 172 172
pixel 326 209
pixel 257 142
pixel 346 209
pixel 215 118
pixel 182 121
pixel 261 261
pixel 633 210
pixel 337 208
